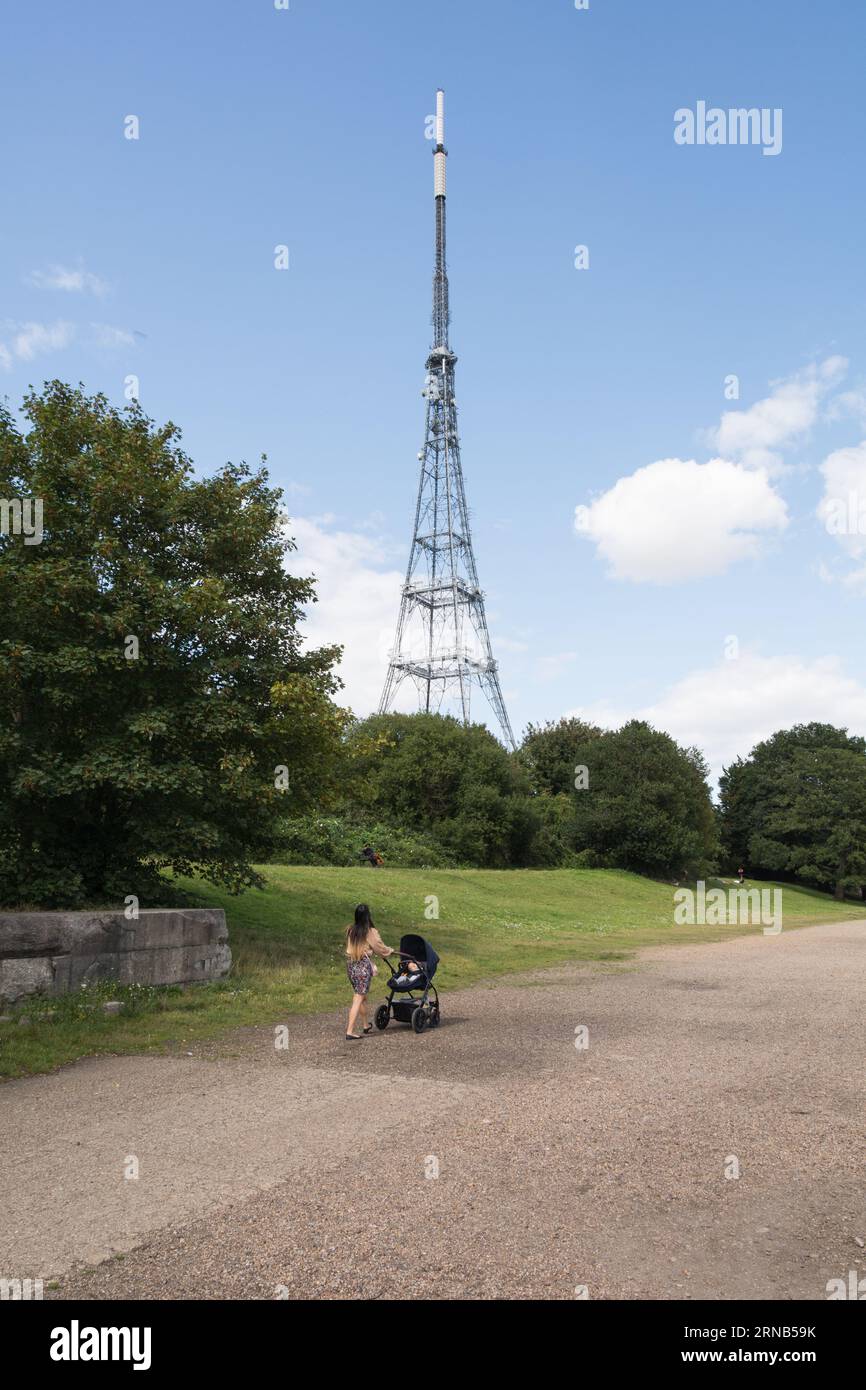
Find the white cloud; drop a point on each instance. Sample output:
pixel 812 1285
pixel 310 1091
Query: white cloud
pixel 726 709
pixel 59 277
pixel 358 599
pixel 677 519
pixel 842 508
pixel 109 336
pixel 754 435
pixel 848 403
pixel 24 341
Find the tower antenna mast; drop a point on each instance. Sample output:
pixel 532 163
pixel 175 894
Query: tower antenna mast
pixel 442 643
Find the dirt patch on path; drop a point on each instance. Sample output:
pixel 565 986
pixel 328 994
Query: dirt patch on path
pixel 306 1171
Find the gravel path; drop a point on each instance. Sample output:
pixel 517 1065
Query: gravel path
pixel 303 1172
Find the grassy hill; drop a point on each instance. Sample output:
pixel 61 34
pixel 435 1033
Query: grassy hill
pixel 288 952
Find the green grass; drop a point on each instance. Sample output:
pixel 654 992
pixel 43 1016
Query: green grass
pixel 288 950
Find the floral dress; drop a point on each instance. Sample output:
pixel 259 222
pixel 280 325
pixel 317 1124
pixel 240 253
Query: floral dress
pixel 361 972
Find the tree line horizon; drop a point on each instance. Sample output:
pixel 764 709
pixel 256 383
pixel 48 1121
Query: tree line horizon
pixel 161 715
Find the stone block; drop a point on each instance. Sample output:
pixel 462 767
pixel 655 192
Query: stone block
pixel 56 952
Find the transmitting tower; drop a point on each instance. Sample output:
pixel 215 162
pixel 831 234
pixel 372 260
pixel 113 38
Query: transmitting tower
pixel 442 642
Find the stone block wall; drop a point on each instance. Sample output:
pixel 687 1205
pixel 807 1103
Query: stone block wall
pixel 55 952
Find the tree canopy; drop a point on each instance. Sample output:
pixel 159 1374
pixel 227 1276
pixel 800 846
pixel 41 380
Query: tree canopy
pixel 553 751
pixel 432 773
pixel 796 807
pixel 157 710
pixel 650 808
pixel 572 795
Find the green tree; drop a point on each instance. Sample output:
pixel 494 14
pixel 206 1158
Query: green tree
pixel 431 773
pixel 796 807
pixel 647 806
pixel 550 753
pixel 152 682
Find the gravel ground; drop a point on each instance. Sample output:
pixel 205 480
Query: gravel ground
pixel 303 1172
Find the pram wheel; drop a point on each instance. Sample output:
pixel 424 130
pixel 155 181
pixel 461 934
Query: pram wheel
pixel 383 1014
pixel 420 1019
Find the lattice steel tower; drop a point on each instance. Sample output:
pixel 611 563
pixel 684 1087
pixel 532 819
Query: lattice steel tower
pixel 442 642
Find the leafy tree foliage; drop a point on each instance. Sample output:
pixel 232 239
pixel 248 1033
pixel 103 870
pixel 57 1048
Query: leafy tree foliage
pixel 553 751
pixel 430 773
pixel 796 807
pixel 647 806
pixel 152 680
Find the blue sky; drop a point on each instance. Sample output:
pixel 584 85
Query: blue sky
pixel 260 127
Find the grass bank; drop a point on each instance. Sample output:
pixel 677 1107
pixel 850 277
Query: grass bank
pixel 286 942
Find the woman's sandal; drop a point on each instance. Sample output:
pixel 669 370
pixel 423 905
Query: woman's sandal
pixel 369 1028
pixel 353 1037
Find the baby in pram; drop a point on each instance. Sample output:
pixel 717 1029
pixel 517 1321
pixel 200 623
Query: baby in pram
pixel 408 968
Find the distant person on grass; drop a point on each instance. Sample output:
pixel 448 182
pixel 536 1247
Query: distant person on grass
pixel 362 942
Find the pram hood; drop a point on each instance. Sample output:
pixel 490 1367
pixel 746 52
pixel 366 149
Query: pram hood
pixel 419 949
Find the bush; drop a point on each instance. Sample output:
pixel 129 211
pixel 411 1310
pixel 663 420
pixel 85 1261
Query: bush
pixel 339 841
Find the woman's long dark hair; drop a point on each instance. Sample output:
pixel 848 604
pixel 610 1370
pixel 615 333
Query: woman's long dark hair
pixel 357 933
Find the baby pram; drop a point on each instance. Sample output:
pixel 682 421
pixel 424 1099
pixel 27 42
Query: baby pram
pixel 418 1002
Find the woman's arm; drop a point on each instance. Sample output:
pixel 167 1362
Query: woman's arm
pixel 378 944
